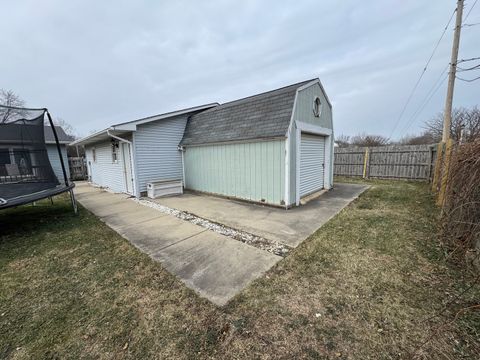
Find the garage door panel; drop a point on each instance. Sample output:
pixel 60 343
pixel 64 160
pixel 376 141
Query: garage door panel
pixel 312 160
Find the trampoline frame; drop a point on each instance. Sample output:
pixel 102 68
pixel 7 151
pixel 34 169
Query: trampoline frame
pixel 47 193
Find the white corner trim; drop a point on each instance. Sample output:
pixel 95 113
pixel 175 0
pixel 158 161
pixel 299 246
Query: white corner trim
pixel 298 134
pixel 287 172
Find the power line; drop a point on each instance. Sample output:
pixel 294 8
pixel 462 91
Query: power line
pixel 469 11
pixel 437 84
pixel 468 80
pixel 471 59
pixel 460 69
pixel 421 74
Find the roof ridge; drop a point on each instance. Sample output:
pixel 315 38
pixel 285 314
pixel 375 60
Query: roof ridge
pixel 298 84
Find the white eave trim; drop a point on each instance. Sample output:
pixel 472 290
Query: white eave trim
pixel 313 82
pixel 132 125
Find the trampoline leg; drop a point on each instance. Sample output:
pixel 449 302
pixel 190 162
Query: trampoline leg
pixel 74 201
pixel 51 200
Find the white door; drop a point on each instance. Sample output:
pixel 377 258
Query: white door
pixel 127 166
pixel 312 163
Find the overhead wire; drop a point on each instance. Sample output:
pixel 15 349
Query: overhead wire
pixel 421 75
pixel 469 11
pixel 429 95
pixel 468 80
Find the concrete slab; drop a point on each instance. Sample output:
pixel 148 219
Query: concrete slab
pixel 215 266
pixel 289 227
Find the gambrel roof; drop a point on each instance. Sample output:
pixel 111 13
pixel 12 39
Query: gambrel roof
pixel 266 115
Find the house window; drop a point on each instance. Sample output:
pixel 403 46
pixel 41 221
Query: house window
pixel 114 152
pixel 317 107
pixel 94 154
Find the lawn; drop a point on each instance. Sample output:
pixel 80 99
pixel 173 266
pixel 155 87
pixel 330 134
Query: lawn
pixel 371 284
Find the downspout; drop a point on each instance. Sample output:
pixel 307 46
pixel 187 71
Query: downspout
pixel 182 150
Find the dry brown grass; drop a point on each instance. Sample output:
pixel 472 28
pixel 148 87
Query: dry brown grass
pixel 365 286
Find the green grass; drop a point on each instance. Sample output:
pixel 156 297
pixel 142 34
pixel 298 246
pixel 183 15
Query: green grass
pixel 364 286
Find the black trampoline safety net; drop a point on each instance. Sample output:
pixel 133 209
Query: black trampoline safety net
pixel 26 173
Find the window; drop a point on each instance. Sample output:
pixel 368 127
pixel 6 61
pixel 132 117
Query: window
pixel 114 152
pixel 317 107
pixel 94 155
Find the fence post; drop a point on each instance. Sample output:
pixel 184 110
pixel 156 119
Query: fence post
pixel 444 179
pixel 366 161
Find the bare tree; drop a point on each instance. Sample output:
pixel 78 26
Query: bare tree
pixel 9 98
pixel 424 138
pixel 369 140
pixel 342 140
pixel 465 125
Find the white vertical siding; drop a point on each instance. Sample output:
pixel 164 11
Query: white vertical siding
pixel 55 160
pixel 104 171
pixel 156 150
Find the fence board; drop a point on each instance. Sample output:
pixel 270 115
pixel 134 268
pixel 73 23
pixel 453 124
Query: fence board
pixel 413 162
pixel 78 168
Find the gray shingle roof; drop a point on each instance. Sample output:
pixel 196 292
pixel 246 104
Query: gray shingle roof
pixel 264 115
pixel 62 136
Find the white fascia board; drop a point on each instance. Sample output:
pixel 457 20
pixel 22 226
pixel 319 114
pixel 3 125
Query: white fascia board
pixel 131 125
pixel 313 82
pixel 90 137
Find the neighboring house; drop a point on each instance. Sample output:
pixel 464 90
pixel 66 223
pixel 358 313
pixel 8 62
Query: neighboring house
pixel 20 155
pixel 125 156
pixel 63 140
pixel 274 148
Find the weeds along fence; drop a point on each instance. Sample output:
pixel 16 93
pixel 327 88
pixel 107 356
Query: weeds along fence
pixel 460 220
pixel 409 162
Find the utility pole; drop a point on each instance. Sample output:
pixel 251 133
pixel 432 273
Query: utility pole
pixel 447 117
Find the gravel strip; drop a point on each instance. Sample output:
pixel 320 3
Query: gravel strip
pixel 245 237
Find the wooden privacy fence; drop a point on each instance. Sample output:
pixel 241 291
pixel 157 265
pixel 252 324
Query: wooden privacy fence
pixel 414 162
pixel 78 168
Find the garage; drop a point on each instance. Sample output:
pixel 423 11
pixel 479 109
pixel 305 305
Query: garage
pixel 312 163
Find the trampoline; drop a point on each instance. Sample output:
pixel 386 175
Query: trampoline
pixel 26 174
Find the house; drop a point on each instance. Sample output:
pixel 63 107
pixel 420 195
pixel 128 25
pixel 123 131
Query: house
pixel 21 156
pixel 273 148
pixel 63 140
pixel 125 156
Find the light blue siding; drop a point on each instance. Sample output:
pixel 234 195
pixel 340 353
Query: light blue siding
pixel 55 161
pixel 156 150
pixel 304 107
pixel 104 171
pixel 304 113
pixel 252 170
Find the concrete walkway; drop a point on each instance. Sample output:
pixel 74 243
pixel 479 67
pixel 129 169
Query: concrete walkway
pixel 289 227
pixel 215 266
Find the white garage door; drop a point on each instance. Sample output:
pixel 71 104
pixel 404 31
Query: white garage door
pixel 312 163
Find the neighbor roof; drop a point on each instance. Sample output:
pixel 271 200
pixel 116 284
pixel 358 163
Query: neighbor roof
pixel 63 138
pixel 265 115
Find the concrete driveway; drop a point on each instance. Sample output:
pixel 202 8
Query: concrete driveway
pixel 289 227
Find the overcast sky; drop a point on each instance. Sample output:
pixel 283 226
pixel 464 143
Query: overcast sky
pixel 94 63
